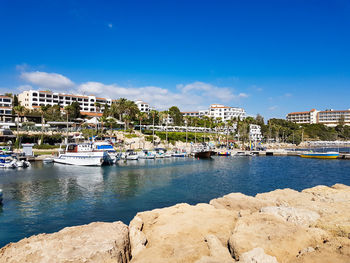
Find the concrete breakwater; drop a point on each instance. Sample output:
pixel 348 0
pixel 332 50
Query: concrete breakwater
pixel 279 226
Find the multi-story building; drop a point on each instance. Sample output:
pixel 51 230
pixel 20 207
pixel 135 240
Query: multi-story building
pixel 226 113
pixel 303 117
pixel 219 111
pixel 5 108
pixel 143 106
pixel 255 132
pixel 89 105
pixel 333 117
pixel 327 117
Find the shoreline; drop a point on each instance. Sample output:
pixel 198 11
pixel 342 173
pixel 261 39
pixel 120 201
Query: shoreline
pixel 285 225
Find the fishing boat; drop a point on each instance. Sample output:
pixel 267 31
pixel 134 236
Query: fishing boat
pixel 320 155
pixel 83 154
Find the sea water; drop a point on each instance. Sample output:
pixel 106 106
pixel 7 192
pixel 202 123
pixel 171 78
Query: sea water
pixel 48 197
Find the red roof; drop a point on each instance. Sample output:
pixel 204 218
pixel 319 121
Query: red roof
pixel 93 114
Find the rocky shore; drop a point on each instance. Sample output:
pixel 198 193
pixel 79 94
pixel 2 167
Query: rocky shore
pixel 279 226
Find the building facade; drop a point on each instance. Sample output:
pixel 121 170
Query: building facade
pixel 89 105
pixel 5 108
pixel 217 111
pixel 255 132
pixel 143 106
pixel 328 117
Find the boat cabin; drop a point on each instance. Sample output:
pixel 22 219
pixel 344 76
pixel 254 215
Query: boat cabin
pixel 74 148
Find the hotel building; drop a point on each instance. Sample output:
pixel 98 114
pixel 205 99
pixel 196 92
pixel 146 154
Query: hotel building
pixel 327 117
pixel 33 99
pixel 143 106
pixel 303 117
pixel 5 108
pixel 219 111
pixel 255 132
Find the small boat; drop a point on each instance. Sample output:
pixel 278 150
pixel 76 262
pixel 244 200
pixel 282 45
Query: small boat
pixel 203 154
pixel 104 146
pixel 224 154
pixel 243 154
pixel 22 163
pixel 130 155
pixel 83 154
pixel 6 161
pixel 320 155
pixel 145 154
pixel 48 160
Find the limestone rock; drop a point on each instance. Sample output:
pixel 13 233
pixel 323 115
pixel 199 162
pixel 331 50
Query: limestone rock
pixel 256 255
pixel 177 233
pixel 240 202
pixel 95 242
pixel 138 239
pixel 298 216
pixel 277 237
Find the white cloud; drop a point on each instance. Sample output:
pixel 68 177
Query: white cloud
pixel 288 95
pixel 47 80
pixel 24 87
pixel 192 96
pixel 272 108
pixel 110 25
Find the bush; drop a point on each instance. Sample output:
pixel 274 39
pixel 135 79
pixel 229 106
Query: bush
pixel 45 147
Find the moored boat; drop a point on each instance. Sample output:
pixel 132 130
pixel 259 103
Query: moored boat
pixel 320 155
pixel 224 154
pixel 83 154
pixel 104 146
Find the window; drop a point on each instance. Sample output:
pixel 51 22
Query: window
pixel 48 96
pixel 55 96
pixel 7 100
pixel 61 97
pixel 35 99
pixel 41 95
pixel 80 99
pixel 35 94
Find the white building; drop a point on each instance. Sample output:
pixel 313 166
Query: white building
pixel 226 113
pixel 143 106
pixel 219 111
pixel 303 117
pixel 5 108
pixel 333 117
pixel 33 99
pixel 255 132
pixel 327 117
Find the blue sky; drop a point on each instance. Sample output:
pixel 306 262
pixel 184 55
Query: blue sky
pixel 270 57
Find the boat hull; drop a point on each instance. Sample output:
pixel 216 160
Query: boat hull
pixel 203 155
pixel 83 159
pixel 320 155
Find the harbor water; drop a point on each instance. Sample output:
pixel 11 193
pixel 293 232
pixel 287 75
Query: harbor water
pixel 48 197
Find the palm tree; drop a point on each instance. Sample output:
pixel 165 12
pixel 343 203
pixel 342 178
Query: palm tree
pixel 141 116
pixel 130 111
pixel 20 111
pixel 153 114
pixel 42 110
pixel 164 115
pixel 97 106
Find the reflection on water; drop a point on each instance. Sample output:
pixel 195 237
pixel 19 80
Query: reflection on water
pixel 48 197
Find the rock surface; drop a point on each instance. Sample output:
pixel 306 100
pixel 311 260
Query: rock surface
pixel 285 226
pixel 96 242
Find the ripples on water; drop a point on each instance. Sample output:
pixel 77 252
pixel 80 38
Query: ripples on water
pixel 46 198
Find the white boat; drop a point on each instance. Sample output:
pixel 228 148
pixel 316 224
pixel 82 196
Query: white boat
pixel 7 162
pixel 130 155
pixel 83 154
pixel 22 163
pixel 48 160
pixel 145 154
pixel 104 146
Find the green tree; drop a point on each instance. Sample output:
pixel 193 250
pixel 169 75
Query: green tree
pixel 176 115
pixel 20 111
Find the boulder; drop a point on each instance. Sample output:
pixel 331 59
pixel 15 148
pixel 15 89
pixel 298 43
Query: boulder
pixel 277 237
pixel 95 242
pixel 256 255
pixel 298 216
pixel 240 202
pixel 178 233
